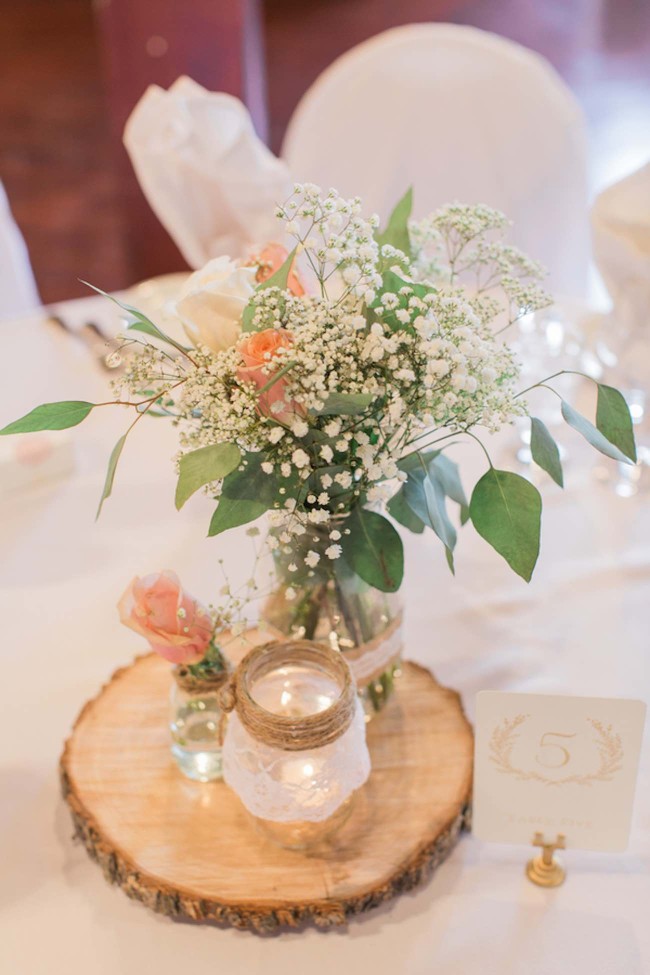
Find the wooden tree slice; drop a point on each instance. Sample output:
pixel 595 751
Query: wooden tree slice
pixel 190 850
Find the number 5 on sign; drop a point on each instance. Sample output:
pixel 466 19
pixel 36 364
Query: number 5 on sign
pixel 547 742
pixel 556 765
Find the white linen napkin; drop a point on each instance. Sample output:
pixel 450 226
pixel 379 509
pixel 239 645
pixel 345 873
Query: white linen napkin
pixel 211 182
pixel 621 234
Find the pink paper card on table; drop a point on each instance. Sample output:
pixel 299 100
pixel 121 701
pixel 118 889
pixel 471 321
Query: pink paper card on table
pixel 556 765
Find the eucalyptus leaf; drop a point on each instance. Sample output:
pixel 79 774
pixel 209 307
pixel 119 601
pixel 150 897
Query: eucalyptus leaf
pixel 396 232
pixel 545 451
pixel 141 323
pixel 592 435
pixel 230 513
pixel 614 421
pixel 345 404
pixel 426 498
pixel 335 490
pixel 374 550
pixel 399 509
pixel 417 461
pixel 279 279
pixel 447 472
pixel 393 284
pixel 200 467
pixel 110 473
pixel 50 416
pixel 506 511
pixel 250 483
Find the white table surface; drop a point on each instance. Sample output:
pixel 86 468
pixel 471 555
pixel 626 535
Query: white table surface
pixel 581 627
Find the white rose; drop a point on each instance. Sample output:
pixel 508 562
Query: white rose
pixel 212 300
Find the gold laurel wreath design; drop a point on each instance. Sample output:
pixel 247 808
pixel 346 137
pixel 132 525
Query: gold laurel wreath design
pixel 608 743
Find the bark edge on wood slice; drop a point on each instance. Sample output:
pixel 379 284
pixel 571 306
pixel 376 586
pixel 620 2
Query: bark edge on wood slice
pixel 131 806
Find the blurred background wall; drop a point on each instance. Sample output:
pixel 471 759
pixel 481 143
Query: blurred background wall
pixel 73 69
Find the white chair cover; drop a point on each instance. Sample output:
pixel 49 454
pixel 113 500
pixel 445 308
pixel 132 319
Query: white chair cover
pixel 460 114
pixel 621 232
pixel 18 294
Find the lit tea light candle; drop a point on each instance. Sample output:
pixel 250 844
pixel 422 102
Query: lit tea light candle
pixel 295 749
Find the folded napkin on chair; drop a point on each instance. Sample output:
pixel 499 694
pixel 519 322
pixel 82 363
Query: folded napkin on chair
pixel 211 182
pixel 621 231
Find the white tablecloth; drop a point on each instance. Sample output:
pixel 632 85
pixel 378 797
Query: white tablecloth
pixel 580 627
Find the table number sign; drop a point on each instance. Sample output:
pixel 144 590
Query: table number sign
pixel 556 765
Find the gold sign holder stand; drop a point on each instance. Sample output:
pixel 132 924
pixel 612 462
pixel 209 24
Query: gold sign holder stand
pixel 544 870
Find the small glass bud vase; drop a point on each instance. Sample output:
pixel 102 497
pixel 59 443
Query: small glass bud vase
pixel 196 720
pixel 295 745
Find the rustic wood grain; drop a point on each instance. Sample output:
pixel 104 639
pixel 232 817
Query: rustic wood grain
pixel 189 850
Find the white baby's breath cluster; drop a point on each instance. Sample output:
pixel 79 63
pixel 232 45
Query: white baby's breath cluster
pixel 335 239
pixel 384 353
pixel 462 247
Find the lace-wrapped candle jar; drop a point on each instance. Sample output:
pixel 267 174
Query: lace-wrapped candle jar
pixel 295 746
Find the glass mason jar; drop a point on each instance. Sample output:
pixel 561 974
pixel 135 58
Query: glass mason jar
pixel 196 721
pixel 328 602
pixel 295 745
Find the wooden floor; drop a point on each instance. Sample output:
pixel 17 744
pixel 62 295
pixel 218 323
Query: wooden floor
pixel 55 158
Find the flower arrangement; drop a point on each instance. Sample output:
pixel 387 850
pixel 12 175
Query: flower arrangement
pixel 324 385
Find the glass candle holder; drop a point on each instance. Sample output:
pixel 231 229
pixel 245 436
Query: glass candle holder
pixel 295 746
pixel 196 724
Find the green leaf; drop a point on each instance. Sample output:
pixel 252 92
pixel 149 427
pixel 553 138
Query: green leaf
pixel 345 404
pixel 396 232
pixel 51 416
pixel 591 434
pixel 279 279
pixel 230 513
pixel 247 317
pixel 426 498
pixel 250 483
pixel 335 490
pixel 402 513
pixel 545 450
pixel 614 421
pixel 141 323
pixel 204 465
pixel 447 472
pixel 506 511
pixel 374 550
pixel 393 283
pixel 110 473
pixel 276 377
pixel 417 461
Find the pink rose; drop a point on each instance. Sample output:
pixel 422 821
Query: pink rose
pixel 270 260
pixel 176 625
pixel 258 351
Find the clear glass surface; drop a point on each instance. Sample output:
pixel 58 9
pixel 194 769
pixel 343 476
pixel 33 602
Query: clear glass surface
pixel 331 604
pixel 195 727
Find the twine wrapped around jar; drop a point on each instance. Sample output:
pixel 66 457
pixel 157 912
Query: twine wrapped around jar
pixel 299 755
pixel 199 686
pixel 283 731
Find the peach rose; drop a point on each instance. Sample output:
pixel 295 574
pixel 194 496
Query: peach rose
pixel 258 350
pixel 270 260
pixel 176 625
